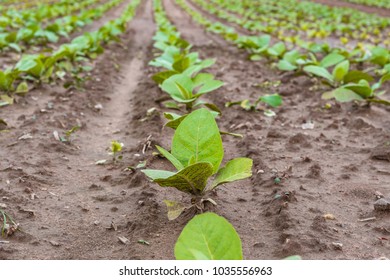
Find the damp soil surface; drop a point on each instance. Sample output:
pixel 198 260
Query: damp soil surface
pixel 318 169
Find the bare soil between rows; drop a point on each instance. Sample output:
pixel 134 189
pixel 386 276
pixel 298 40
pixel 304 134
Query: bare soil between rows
pixel 70 208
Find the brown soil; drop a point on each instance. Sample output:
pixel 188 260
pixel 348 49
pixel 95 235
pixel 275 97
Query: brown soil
pixel 70 208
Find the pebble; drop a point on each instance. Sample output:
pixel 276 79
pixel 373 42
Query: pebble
pixel 123 239
pixel 382 204
pixel 338 245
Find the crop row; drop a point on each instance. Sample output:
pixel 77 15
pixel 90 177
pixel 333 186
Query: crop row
pixel 68 60
pixel 197 150
pixel 15 4
pixel 303 21
pixel 374 3
pixel 16 18
pixel 337 67
pixel 36 34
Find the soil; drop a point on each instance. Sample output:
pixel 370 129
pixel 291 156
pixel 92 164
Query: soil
pixel 68 207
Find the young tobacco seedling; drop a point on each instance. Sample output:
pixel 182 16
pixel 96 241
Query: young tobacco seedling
pixel 197 153
pixel 208 237
pixel 184 89
pixel 69 133
pixel 7 228
pixel 360 91
pixel 273 100
pixel 116 148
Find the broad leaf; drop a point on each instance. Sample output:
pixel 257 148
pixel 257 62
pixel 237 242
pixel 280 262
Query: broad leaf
pixel 25 64
pixel 277 50
pixel 355 76
pixel 274 100
pixel 284 65
pixel 160 77
pixel 319 71
pixel 385 78
pixel 345 95
pixel 209 86
pixel 179 87
pixel 182 64
pixel 236 169
pixel 192 179
pixel 362 88
pixel 22 88
pixel 340 71
pixel 198 137
pixel 331 59
pixel 208 237
pixel 380 56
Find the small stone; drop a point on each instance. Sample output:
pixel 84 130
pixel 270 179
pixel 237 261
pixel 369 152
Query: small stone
pixel 123 239
pixel 54 243
pixel 98 106
pixel 308 125
pixel 338 245
pixel 96 223
pixel 329 217
pixel 382 204
pixel 379 195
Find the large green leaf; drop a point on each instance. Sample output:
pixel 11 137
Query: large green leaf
pixel 26 64
pixel 274 100
pixel 340 71
pixel 277 50
pixel 162 76
pixel 345 95
pixel 331 59
pixel 285 65
pixel 192 179
pixel 198 67
pixel 179 87
pixel 182 64
pixel 291 56
pixel 355 76
pixel 362 88
pixel 318 71
pixel 208 237
pixel 236 169
pixel 380 56
pixel 197 138
pixel 385 78
pixel 209 86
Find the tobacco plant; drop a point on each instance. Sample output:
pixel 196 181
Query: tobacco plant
pixel 360 90
pixel 197 153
